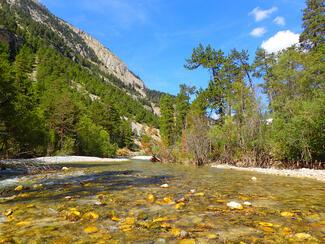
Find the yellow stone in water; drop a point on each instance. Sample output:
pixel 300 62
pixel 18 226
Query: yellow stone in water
pixel 266 224
pixel 116 219
pixel 187 241
pixel 128 224
pixel 286 231
pixel 221 201
pixel 199 194
pixel 287 214
pixel 175 232
pixel 8 212
pixel 151 198
pixel 180 205
pixel 23 223
pixel 19 188
pixel 129 221
pixel 91 229
pixel 90 215
pixel 159 219
pixel 165 226
pixel 30 206
pixel 167 200
pixel 75 212
pixel 212 236
pixel 303 236
pixel 267 229
pixel 23 195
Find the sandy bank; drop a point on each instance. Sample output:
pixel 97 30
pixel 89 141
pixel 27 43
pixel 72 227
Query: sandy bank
pixel 142 157
pixel 301 173
pixel 66 159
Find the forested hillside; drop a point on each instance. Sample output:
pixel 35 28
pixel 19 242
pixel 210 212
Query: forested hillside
pixel 227 122
pixel 53 100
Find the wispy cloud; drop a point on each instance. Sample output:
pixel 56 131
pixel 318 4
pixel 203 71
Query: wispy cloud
pixel 279 20
pixel 258 32
pixel 260 14
pixel 280 41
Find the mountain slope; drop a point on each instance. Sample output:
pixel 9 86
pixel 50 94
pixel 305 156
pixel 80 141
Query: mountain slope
pixel 62 92
pixel 80 44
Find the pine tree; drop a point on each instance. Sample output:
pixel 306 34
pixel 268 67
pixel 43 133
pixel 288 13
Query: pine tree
pixel 313 35
pixel 167 120
pixel 182 105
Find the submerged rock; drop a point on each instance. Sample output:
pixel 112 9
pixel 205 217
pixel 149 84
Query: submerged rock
pixel 19 188
pixel 8 212
pixel 151 198
pixel 187 241
pixel 90 229
pixel 164 186
pixel 287 214
pixel 235 205
pixel 303 236
pixel 90 216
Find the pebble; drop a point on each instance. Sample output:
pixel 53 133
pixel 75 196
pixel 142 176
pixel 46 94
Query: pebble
pixel 254 178
pixel 164 186
pixel 65 168
pixel 303 236
pixel 234 205
pixel 183 234
pixel 247 203
pixel 91 229
pixel 19 188
pixel 160 241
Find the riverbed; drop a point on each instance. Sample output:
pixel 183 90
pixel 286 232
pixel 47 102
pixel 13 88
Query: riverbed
pixel 141 202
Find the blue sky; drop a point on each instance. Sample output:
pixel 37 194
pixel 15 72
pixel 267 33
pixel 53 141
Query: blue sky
pixel 154 37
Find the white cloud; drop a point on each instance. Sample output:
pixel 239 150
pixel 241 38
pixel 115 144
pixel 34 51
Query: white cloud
pixel 280 41
pixel 279 20
pixel 260 14
pixel 257 32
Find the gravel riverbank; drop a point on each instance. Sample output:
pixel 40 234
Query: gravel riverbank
pixel 65 159
pixel 301 173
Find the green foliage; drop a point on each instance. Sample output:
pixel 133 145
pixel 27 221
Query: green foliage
pixel 182 106
pixel 94 140
pixel 313 35
pixel 46 88
pixel 167 119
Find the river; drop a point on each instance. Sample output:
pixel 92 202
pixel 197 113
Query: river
pixel 141 202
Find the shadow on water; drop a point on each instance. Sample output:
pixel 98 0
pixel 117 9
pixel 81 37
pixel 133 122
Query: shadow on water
pixel 119 180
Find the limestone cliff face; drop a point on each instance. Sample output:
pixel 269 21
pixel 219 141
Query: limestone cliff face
pixel 83 44
pixel 111 63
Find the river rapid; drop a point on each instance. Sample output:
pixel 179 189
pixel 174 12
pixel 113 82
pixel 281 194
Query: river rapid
pixel 141 202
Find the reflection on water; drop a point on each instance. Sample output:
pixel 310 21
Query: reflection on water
pixel 123 202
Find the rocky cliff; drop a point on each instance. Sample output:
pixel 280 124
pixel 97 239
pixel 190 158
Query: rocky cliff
pixel 82 44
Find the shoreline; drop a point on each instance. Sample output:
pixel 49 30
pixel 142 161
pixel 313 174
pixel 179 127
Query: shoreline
pixel 298 173
pixel 64 159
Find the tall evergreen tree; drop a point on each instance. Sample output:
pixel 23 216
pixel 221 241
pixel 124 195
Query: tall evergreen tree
pixel 167 120
pixel 313 35
pixel 182 105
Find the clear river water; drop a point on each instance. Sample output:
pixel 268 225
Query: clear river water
pixel 142 202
